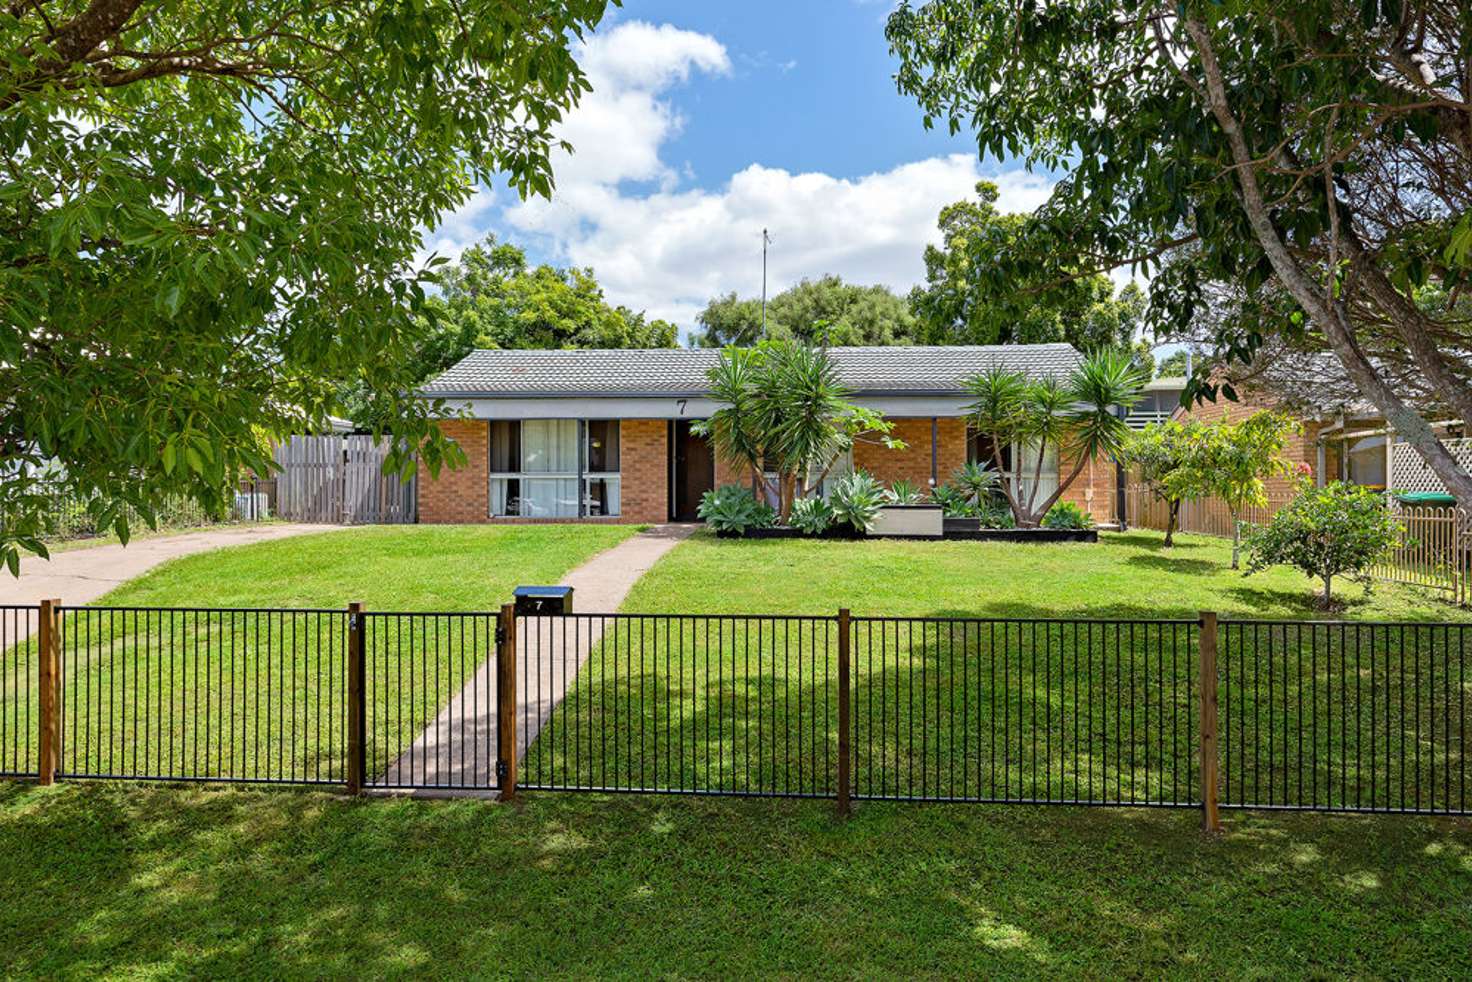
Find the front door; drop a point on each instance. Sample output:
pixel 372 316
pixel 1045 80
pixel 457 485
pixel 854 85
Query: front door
pixel 694 469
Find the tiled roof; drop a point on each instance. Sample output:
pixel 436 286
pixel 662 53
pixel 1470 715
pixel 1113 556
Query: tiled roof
pixel 682 371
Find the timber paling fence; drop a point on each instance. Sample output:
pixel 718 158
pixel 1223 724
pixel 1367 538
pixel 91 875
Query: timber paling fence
pixel 1191 713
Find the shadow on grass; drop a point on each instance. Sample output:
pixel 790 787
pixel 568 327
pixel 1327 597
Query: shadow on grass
pixel 1151 541
pixel 135 880
pixel 1174 564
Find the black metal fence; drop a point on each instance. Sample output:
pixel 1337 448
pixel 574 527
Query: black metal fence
pixel 1314 716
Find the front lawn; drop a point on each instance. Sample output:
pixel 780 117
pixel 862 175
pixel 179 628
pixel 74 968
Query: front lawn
pixel 1122 576
pixel 260 694
pixel 999 709
pixel 160 882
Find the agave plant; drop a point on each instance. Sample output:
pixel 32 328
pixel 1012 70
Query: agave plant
pixel 976 479
pixel 856 501
pixel 812 516
pixel 734 509
pixel 904 493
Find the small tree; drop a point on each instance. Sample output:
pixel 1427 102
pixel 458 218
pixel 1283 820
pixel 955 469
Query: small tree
pixel 1237 459
pixel 785 412
pixel 1165 455
pixel 1078 418
pixel 1337 530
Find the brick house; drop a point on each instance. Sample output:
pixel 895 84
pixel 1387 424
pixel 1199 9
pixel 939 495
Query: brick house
pixel 605 435
pixel 1343 437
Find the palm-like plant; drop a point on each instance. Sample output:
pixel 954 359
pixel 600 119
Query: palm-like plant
pixel 1079 417
pixel 784 410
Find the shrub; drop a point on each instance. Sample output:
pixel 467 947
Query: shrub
pixel 996 515
pixel 1067 515
pixel 812 516
pixel 733 508
pixel 978 481
pixel 904 493
pixel 1337 530
pixel 856 501
pixel 954 502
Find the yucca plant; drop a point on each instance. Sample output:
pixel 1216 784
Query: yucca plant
pixel 1077 418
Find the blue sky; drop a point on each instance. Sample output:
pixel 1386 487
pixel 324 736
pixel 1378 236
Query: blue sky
pixel 710 121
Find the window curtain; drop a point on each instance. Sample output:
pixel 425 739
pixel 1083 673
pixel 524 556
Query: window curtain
pixel 1027 457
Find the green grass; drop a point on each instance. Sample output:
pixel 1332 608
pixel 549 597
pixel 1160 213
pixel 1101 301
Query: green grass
pixel 131 882
pixel 1100 713
pixel 403 567
pixel 1122 576
pixel 261 695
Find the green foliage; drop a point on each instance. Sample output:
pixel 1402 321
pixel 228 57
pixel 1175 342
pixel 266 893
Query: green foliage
pixel 856 500
pixel 825 311
pixel 904 493
pixel 977 479
pixel 995 515
pixel 733 508
pixel 1166 460
pixel 784 411
pixel 211 214
pixel 954 501
pixel 1294 172
pixel 1173 365
pixel 1337 530
pixel 1077 418
pixel 492 298
pixel 957 304
pixel 1067 515
pixel 812 516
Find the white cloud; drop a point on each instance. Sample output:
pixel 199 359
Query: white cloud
pixel 661 245
pixel 670 251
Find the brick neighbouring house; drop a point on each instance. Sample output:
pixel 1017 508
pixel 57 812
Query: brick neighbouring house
pixel 1343 436
pixel 604 435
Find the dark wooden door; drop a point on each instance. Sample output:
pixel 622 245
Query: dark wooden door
pixel 695 471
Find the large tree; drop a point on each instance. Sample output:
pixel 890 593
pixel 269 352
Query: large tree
pixel 958 305
pixel 211 212
pixel 1318 152
pixel 493 298
pixel 824 311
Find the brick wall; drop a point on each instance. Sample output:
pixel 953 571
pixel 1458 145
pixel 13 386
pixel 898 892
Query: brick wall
pixel 462 495
pixel 1302 448
pixel 913 464
pixel 644 459
pixel 1094 491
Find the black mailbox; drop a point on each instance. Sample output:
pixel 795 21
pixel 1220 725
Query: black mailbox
pixel 543 600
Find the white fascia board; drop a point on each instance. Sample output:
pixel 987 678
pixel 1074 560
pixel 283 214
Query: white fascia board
pixel 670 407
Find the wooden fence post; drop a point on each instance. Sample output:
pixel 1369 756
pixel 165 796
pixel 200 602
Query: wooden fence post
pixel 844 633
pixel 1210 816
pixel 48 675
pixel 357 763
pixel 506 702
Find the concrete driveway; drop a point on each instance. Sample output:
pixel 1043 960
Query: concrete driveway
pixel 80 576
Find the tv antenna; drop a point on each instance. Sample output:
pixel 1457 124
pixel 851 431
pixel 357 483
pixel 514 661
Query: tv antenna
pixel 766 241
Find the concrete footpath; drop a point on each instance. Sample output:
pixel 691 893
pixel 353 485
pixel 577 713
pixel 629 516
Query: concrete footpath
pixel 458 749
pixel 79 576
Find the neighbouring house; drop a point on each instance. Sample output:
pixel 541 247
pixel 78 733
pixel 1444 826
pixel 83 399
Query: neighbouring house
pixel 605 435
pixel 1344 437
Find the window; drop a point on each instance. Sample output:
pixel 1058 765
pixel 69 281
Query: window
pixel 1366 462
pixel 1019 475
pixel 554 468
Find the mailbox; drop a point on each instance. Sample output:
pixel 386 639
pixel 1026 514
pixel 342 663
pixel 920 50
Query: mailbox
pixel 543 600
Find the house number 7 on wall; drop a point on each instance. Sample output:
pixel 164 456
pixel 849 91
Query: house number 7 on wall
pixel 682 403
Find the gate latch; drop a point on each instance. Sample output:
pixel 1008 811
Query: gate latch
pixel 501 771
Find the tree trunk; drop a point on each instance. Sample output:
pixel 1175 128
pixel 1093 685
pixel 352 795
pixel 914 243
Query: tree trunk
pixel 1328 598
pixel 1236 542
pixel 784 499
pixel 1170 522
pixel 1328 313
